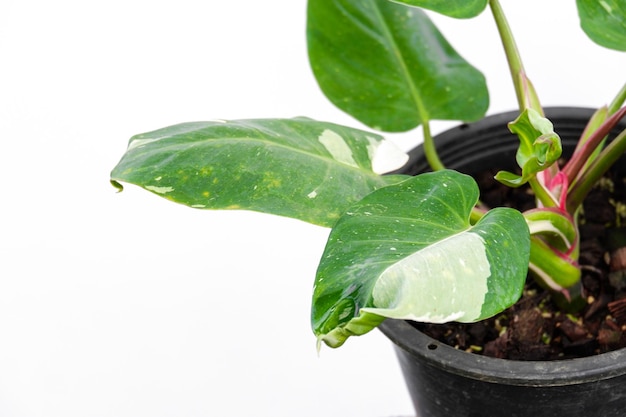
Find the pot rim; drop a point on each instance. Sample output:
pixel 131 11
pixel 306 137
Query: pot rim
pixel 512 372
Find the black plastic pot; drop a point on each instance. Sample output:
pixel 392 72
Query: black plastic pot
pixel 446 382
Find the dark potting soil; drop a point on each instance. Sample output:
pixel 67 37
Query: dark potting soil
pixel 535 328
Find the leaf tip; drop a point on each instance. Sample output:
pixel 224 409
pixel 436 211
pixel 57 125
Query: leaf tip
pixel 117 186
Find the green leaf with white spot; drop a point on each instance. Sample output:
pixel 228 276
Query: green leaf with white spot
pixel 299 168
pixel 408 251
pixel 604 21
pixel 461 9
pixel 387 65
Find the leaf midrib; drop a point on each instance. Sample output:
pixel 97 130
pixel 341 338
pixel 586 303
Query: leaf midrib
pixel 210 141
pixel 397 53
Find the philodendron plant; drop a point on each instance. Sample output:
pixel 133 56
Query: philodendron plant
pixel 404 247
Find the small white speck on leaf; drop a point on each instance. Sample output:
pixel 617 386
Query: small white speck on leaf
pixel 606 6
pixel 159 190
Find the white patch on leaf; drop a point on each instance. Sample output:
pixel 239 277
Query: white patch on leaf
pixel 159 190
pixel 385 155
pixel 446 281
pixel 337 147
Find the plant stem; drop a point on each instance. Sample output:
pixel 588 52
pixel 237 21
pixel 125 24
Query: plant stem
pixel 476 214
pixel 575 165
pixel 525 92
pixel 546 199
pixel 596 170
pixel 618 101
pixel 429 149
pixel 551 268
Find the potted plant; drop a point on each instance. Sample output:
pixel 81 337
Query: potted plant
pixel 425 247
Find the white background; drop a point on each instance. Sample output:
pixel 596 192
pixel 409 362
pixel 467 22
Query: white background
pixel 129 305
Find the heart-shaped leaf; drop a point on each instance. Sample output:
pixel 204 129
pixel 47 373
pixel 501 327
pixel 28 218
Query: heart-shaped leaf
pixel 454 8
pixel 604 22
pixel 408 251
pixel 387 65
pixel 299 168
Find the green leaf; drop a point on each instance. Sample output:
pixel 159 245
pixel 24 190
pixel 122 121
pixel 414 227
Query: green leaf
pixel 604 22
pixel 454 8
pixel 539 148
pixel 387 65
pixel 408 251
pixel 299 168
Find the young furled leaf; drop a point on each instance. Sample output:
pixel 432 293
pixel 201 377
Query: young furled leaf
pixel 540 147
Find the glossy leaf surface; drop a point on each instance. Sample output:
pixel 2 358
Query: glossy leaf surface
pixel 604 22
pixel 298 168
pixel 408 251
pixel 452 8
pixel 387 65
